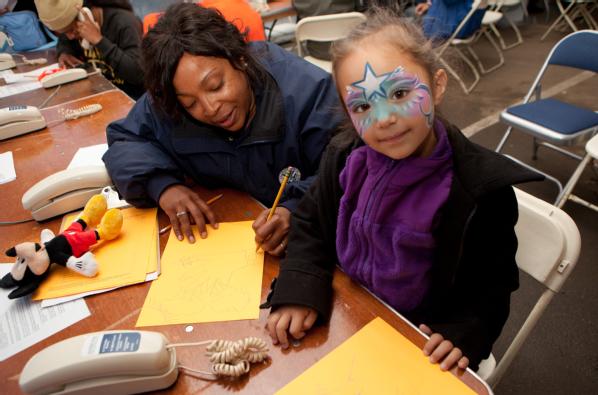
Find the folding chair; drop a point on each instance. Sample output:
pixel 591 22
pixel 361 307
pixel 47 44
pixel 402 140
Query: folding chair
pixel 325 28
pixel 556 123
pixel 455 42
pixel 573 10
pixel 591 154
pixel 549 246
pixel 493 15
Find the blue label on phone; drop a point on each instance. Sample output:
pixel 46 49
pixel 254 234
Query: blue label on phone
pixel 120 342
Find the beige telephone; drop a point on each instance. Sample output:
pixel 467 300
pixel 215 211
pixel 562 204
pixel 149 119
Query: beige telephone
pixel 17 120
pixel 65 191
pixel 84 10
pixel 63 76
pixel 110 362
pixel 6 61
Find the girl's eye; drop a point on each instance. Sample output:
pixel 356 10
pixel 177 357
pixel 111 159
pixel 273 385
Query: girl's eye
pixel 399 94
pixel 359 108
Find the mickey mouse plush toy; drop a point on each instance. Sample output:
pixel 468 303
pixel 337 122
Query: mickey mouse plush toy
pixel 69 249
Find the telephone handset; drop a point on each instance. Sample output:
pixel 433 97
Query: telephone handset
pixel 109 362
pixel 6 61
pixel 60 76
pixel 65 191
pixel 17 120
pixel 81 17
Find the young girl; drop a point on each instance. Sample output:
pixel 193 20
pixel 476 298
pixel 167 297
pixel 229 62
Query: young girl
pixel 405 204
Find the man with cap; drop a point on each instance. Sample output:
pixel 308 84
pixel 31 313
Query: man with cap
pixel 110 38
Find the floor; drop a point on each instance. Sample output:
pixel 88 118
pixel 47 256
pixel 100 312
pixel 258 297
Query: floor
pixel 561 355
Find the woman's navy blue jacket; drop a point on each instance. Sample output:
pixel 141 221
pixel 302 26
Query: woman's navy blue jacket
pixel 296 111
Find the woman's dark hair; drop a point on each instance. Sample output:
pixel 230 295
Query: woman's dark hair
pixel 189 28
pixel 123 4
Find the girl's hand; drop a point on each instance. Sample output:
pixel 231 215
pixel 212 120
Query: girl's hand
pixel 184 208
pixel 442 351
pixel 292 318
pixel 89 30
pixel 68 60
pixel 272 235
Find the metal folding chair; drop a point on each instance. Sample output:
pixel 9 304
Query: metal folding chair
pixel 551 122
pixel 549 247
pixel 494 7
pixel 574 9
pixel 325 28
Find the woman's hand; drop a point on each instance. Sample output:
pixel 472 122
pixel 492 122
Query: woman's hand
pixel 294 319
pixel 89 30
pixel 184 207
pixel 442 351
pixel 272 235
pixel 68 60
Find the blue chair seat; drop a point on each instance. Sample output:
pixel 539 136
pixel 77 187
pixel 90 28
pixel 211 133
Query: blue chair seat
pixel 558 116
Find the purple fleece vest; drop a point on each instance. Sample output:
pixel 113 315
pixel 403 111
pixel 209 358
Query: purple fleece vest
pixel 386 220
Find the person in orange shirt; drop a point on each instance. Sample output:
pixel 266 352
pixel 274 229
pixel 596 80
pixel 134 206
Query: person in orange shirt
pixel 239 12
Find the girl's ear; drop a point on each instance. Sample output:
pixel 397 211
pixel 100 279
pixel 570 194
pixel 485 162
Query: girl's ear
pixel 440 82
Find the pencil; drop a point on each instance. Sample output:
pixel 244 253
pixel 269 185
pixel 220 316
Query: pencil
pixel 208 202
pixel 275 204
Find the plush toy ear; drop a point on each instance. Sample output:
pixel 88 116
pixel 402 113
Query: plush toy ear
pixel 11 252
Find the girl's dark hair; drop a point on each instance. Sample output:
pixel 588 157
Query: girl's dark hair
pixel 189 28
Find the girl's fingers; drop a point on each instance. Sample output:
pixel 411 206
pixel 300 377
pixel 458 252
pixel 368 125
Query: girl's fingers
pixel 432 343
pixel 441 351
pixel 451 359
pixel 426 329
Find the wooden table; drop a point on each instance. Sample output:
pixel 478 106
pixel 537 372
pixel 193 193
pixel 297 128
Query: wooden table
pixel 92 85
pixel 42 153
pixel 278 9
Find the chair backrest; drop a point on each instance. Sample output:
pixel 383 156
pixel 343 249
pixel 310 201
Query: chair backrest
pixel 475 5
pixel 549 246
pixel 577 50
pixel 549 241
pixel 326 28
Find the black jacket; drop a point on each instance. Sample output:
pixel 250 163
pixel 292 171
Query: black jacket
pixel 117 54
pixel 474 271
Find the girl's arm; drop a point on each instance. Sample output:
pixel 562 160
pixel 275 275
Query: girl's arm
pixel 472 318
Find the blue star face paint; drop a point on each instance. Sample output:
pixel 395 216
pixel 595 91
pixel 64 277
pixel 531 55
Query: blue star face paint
pixel 376 97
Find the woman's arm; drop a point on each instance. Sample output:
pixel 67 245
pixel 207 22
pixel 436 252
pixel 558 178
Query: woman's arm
pixel 138 164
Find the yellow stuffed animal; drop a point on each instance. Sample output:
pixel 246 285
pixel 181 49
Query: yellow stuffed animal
pixel 69 249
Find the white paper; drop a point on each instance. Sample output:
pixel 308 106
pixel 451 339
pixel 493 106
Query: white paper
pixel 7 168
pixel 64 299
pixel 88 156
pixel 15 89
pixel 32 75
pixel 24 323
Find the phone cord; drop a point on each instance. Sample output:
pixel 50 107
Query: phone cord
pixel 229 358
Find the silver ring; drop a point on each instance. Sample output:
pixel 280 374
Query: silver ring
pixel 181 213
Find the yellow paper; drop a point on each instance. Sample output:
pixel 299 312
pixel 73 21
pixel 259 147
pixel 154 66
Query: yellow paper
pixel 376 360
pixel 122 261
pixel 215 279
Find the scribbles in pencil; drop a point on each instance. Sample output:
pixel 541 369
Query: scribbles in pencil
pixel 205 287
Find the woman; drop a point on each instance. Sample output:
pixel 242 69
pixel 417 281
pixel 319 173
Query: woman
pixel 110 38
pixel 224 113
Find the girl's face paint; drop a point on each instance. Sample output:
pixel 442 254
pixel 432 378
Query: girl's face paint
pixel 392 111
pixel 376 97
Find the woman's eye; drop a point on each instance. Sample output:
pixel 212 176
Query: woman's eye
pixel 399 94
pixel 217 86
pixel 359 108
pixel 188 106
